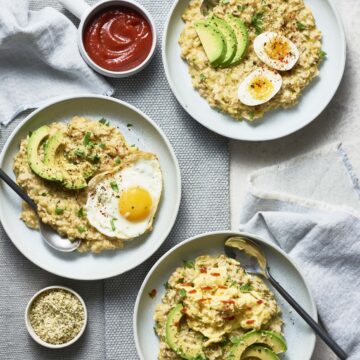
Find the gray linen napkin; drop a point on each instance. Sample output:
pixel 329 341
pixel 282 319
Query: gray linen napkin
pixel 310 207
pixel 204 163
pixel 39 59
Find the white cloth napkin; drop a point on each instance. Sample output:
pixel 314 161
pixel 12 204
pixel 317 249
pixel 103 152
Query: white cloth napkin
pixel 39 59
pixel 310 207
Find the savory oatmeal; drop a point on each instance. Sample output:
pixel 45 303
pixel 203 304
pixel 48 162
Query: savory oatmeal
pixel 218 82
pixel 63 167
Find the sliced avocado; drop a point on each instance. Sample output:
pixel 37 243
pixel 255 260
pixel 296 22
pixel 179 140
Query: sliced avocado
pixel 259 352
pixel 271 339
pixel 72 178
pixel 45 171
pixel 242 36
pixel 229 37
pixel 51 149
pixel 186 350
pixel 212 41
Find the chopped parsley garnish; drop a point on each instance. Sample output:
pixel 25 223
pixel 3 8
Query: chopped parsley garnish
pixel 87 141
pixel 81 229
pixel 189 264
pixel 114 186
pixel 202 77
pixel 323 54
pixel 233 283
pixel 117 160
pixel 300 26
pixel 224 2
pixel 182 292
pixel 166 286
pixel 104 121
pixel 102 145
pixel 133 145
pixel 129 125
pixel 251 115
pixel 59 211
pixel 234 340
pixel 81 212
pixel 112 223
pixel 30 133
pixel 79 153
pixel 245 288
pixel 242 7
pixel 93 158
pixel 257 22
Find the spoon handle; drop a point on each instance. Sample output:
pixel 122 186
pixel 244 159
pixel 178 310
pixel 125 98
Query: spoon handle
pixel 17 189
pixel 310 321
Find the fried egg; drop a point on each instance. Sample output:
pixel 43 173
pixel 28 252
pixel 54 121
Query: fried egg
pixel 276 51
pixel 259 86
pixel 122 203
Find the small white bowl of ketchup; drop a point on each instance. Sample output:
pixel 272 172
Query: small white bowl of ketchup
pixel 117 38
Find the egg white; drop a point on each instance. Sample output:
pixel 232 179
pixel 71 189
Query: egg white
pixel 282 65
pixel 102 207
pixel 246 97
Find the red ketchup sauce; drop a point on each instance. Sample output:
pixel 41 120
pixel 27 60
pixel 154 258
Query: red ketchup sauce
pixel 118 39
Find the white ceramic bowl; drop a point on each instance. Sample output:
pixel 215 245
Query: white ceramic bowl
pixel 144 134
pixel 85 13
pixel 31 330
pixel 299 336
pixel 275 124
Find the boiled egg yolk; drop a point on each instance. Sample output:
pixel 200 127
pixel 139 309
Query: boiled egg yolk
pixel 277 48
pixel 260 88
pixel 135 204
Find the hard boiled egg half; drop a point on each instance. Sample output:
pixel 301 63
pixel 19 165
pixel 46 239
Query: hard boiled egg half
pixel 276 51
pixel 259 86
pixel 122 203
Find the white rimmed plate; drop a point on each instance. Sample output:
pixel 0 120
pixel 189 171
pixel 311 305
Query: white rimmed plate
pixel 274 124
pixel 143 133
pixel 299 336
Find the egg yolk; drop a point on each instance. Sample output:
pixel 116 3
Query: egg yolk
pixel 260 88
pixel 277 49
pixel 135 204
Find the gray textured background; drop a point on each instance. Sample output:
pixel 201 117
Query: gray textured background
pixel 204 163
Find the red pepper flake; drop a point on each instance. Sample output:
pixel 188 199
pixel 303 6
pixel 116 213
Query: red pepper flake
pixel 203 300
pixel 184 310
pixel 203 270
pixel 186 284
pixel 192 291
pixel 249 307
pixel 231 302
pixel 229 318
pixel 259 302
pixel 152 293
pixel 222 287
pixel 206 288
pixel 215 274
pixel 249 322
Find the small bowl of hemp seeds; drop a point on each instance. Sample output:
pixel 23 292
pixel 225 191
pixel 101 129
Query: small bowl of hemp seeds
pixel 56 317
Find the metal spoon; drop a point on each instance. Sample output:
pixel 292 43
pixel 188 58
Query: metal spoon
pixel 207 5
pixel 48 234
pixel 253 260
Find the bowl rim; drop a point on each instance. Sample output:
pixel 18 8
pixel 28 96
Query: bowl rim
pixel 125 3
pixel 30 329
pixel 314 311
pixel 238 136
pixel 9 231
